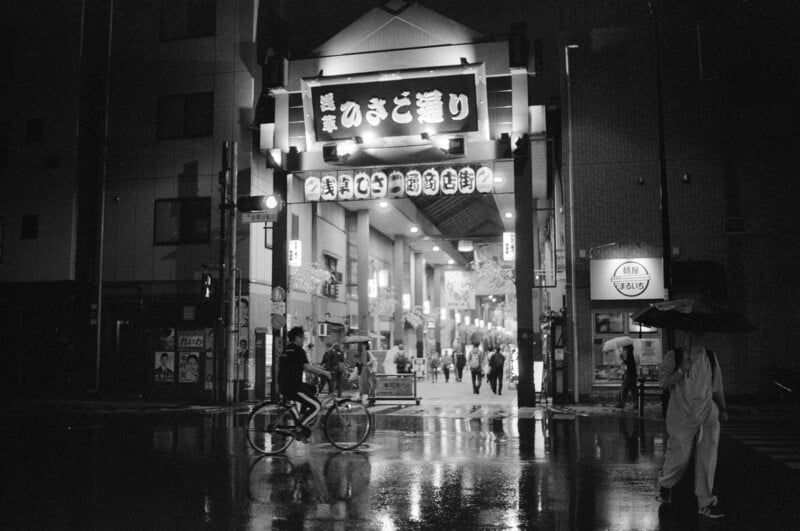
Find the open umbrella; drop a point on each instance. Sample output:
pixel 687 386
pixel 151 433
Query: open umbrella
pixel 617 342
pixel 356 338
pixel 693 316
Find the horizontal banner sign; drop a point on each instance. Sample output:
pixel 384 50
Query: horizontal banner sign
pixel 627 278
pixel 388 183
pixel 438 104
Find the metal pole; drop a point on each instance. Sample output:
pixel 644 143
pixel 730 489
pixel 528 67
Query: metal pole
pixel 666 240
pixel 219 347
pixel 102 228
pixel 571 229
pixel 230 352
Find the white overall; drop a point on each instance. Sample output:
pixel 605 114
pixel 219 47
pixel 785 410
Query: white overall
pixel 692 421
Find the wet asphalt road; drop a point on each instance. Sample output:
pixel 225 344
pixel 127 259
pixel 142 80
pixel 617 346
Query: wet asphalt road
pixel 467 467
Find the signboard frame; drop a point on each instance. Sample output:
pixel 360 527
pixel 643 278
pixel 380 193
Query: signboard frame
pixel 395 387
pixel 374 80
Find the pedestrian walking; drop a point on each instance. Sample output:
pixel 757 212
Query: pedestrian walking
pixel 629 378
pixel 333 361
pixel 461 362
pixel 693 378
pixel 476 361
pixel 447 364
pixel 496 362
pixel 434 363
pixel 401 361
pixel 369 367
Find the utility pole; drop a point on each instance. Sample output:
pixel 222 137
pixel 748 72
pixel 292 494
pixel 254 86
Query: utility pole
pixel 230 336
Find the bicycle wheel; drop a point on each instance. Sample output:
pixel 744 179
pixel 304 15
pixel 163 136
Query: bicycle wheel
pixel 270 428
pixel 347 424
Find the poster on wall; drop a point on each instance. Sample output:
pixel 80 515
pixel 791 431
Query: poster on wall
pixel 189 369
pixel 209 359
pixel 608 323
pixel 650 351
pixel 627 278
pixel 166 339
pixel 164 366
pixel 191 339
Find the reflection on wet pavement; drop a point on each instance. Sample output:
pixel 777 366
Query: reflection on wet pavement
pixel 470 469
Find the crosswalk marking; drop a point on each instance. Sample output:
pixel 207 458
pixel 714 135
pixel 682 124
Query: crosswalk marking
pixel 781 446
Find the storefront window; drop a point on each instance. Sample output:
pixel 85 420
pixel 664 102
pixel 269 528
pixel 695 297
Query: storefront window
pixel 609 325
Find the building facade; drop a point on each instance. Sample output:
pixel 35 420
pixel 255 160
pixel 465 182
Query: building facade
pixel 110 197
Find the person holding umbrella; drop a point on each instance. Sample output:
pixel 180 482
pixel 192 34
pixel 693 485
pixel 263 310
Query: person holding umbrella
pixel 696 406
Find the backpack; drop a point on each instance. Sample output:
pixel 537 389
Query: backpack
pixel 329 361
pixel 712 359
pixel 474 359
pixel 497 361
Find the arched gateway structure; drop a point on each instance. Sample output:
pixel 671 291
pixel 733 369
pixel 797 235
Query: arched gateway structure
pixel 413 170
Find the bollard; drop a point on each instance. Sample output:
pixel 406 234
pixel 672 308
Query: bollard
pixel 640 385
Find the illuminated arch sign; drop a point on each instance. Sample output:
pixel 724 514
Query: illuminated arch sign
pixel 443 104
pixel 396 183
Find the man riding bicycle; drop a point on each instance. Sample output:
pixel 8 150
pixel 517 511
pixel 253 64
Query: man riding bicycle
pixel 291 364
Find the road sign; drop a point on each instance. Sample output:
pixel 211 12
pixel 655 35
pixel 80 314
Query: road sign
pixel 259 217
pixel 278 320
pixel 278 307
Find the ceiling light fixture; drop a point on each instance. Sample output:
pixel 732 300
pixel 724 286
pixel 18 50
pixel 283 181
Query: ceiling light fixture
pixel 509 215
pixel 414 229
pixel 436 248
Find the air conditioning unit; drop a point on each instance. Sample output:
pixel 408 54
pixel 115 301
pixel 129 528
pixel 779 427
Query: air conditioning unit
pixel 337 277
pixel 322 329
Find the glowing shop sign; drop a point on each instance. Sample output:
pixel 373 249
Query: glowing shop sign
pixel 446 104
pixel 383 183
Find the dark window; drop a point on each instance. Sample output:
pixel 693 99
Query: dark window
pixel 187 19
pixel 182 221
pixel 29 228
pixel 186 115
pixel 295 227
pixel 34 131
pixel 2 236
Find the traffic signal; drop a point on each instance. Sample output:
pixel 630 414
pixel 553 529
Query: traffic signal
pixel 208 285
pixel 258 203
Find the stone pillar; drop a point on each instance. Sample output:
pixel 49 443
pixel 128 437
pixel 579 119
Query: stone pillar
pixel 362 231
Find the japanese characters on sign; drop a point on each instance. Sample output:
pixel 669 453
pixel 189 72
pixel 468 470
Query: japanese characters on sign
pixel 509 246
pixel 404 107
pixel 626 278
pixel 383 183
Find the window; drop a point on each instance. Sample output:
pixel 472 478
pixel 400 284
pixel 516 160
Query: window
pixel 2 236
pixel 331 289
pixel 186 115
pixel 29 228
pixel 187 19
pixel 182 221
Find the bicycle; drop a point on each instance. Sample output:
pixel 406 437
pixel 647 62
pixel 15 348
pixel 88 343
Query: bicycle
pixel 273 425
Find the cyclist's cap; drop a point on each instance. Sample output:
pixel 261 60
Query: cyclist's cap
pixel 294 332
